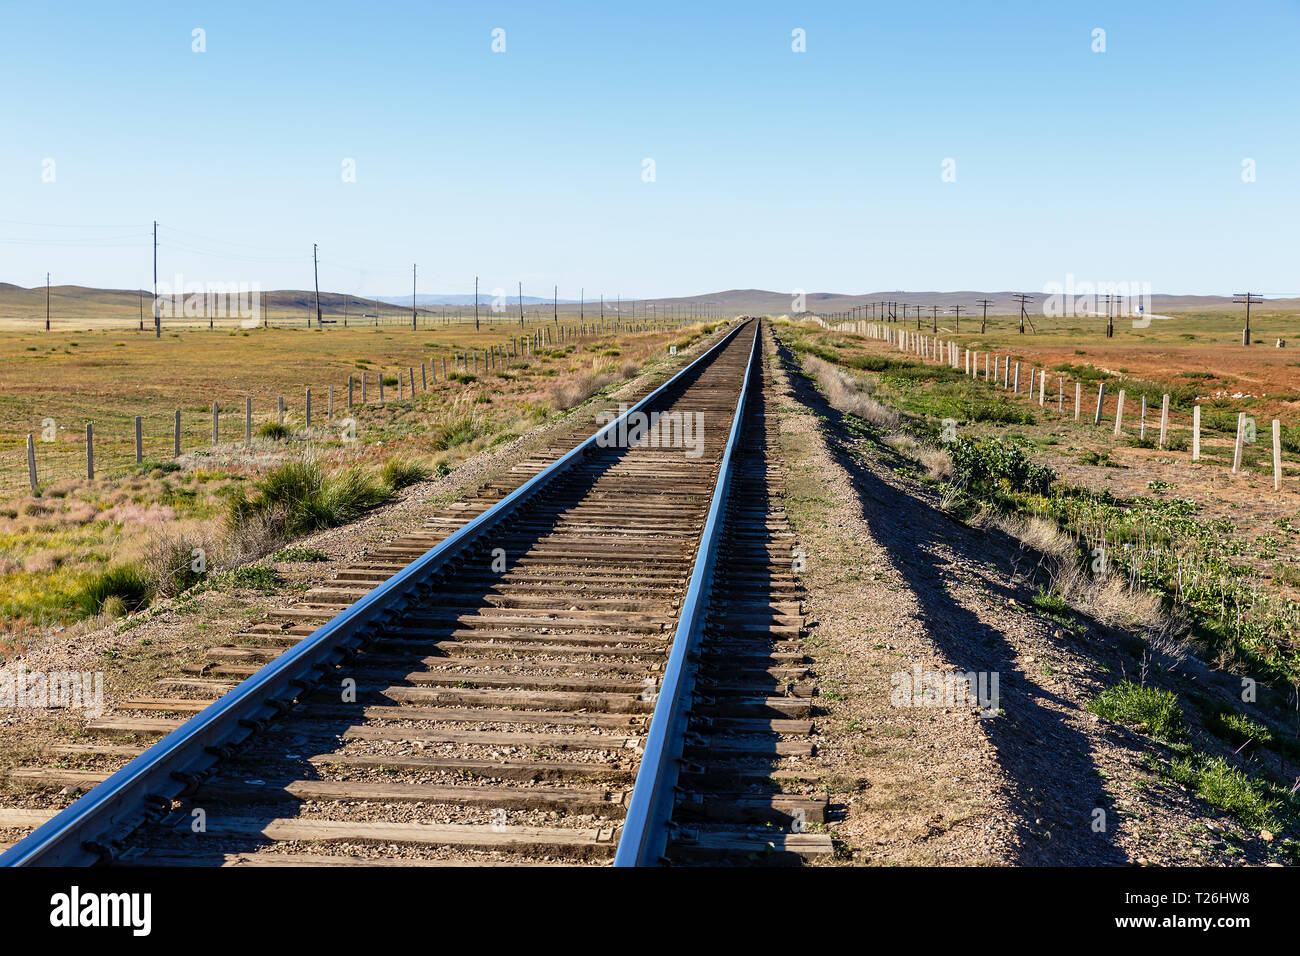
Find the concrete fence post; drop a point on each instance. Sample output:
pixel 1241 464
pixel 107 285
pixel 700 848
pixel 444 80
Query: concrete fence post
pixel 1164 420
pixel 1101 397
pixel 1196 433
pixel 1236 451
pixel 1119 413
pixel 31 465
pixel 1277 455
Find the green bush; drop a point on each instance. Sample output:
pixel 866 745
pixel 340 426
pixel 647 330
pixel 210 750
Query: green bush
pixel 996 464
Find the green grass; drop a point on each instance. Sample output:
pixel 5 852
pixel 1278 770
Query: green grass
pixel 127 582
pixel 256 577
pixel 458 431
pixel 274 431
pixel 1051 603
pixel 1154 712
pixel 298 497
pixel 399 472
pixel 1222 785
pixel 299 555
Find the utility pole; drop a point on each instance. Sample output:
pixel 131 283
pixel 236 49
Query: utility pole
pixel 142 310
pixel 47 302
pixel 555 306
pixel 476 303
pixel 1247 298
pixel 157 319
pixel 1110 319
pixel 413 312
pixel 984 319
pixel 315 268
pixel 582 305
pixel 1022 298
pixel 956 309
pixel 935 326
pixel 521 305
pixel 602 310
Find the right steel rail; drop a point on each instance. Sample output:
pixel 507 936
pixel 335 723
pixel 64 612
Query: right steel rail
pixel 644 837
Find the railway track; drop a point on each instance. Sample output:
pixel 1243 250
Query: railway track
pixel 595 660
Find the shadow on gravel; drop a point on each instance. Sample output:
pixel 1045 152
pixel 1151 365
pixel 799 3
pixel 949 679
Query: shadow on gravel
pixel 1034 745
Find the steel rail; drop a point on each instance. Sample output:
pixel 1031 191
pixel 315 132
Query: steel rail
pixel 644 837
pixel 76 835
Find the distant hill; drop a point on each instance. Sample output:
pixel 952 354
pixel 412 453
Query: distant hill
pixel 118 306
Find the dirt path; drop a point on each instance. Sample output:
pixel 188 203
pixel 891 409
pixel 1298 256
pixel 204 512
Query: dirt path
pixel 894 584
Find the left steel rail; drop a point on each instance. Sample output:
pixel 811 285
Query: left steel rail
pixel 82 833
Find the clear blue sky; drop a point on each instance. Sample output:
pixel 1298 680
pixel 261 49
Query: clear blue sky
pixel 817 170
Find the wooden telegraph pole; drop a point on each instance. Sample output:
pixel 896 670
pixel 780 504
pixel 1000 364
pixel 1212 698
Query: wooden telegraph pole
pixel 476 303
pixel 157 319
pixel 956 309
pixel 1022 298
pixel 521 305
pixel 47 302
pixel 315 269
pixel 1247 298
pixel 414 313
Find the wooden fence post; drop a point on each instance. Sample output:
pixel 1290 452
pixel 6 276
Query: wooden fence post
pixel 279 403
pixel 248 419
pixel 176 436
pixel 90 451
pixel 139 440
pixel 214 423
pixel 309 407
